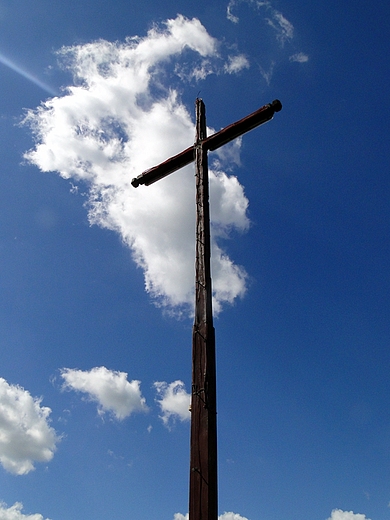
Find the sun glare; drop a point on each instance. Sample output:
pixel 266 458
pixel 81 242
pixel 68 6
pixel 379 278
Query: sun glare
pixel 30 77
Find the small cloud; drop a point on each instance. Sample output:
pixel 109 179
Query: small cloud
pixel 64 417
pixel 25 433
pixel 299 57
pixel 284 29
pixel 229 15
pixel 231 516
pixel 267 74
pixel 110 389
pixel 112 454
pixel 15 513
pixel 195 72
pixel 225 516
pixel 74 188
pixel 173 400
pixel 236 64
pixel 338 514
pixel 232 4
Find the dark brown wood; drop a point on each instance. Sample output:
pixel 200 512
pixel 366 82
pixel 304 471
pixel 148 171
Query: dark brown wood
pixel 227 134
pixel 244 125
pixel 163 169
pixel 203 502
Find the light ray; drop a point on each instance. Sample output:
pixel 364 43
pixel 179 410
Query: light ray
pixel 30 77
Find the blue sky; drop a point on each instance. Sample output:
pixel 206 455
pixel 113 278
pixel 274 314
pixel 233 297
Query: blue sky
pixel 97 277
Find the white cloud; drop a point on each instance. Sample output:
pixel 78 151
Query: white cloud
pixel 233 3
pixel 226 158
pixel 338 514
pixel 231 516
pixel 119 120
pixel 15 513
pixel 280 29
pixel 283 28
pixel 110 389
pixel 173 400
pixel 236 64
pixel 299 57
pixel 229 14
pixel 267 74
pixel 25 434
pixel 225 516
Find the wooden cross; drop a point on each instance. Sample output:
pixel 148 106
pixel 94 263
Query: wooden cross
pixel 203 501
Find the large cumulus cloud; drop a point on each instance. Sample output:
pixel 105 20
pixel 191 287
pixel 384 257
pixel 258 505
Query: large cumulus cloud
pixel 118 119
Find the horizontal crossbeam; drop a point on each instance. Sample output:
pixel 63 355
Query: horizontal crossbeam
pixel 227 134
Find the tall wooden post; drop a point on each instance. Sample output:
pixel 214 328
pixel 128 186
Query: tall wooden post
pixel 203 459
pixel 203 503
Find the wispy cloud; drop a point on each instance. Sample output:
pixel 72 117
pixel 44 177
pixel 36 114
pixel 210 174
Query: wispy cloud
pixel 15 513
pixel 267 74
pixel 233 4
pixel 299 57
pixel 281 29
pixel 174 401
pixel 236 64
pixel 25 434
pixel 229 12
pixel 110 389
pixel 118 120
pixel 284 30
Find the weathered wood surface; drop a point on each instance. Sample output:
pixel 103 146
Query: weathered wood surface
pixel 203 502
pixel 227 134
